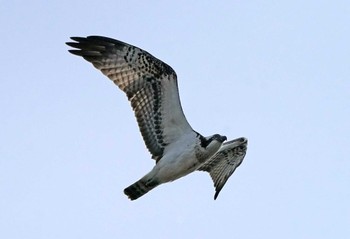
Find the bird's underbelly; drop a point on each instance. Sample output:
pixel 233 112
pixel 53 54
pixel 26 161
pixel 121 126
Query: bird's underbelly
pixel 170 169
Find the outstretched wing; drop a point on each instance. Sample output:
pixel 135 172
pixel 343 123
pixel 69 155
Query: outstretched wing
pixel 222 165
pixel 150 85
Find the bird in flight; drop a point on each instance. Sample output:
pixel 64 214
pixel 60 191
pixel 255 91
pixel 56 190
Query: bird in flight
pixel 151 87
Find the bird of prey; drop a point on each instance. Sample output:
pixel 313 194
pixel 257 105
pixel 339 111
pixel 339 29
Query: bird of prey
pixel 151 87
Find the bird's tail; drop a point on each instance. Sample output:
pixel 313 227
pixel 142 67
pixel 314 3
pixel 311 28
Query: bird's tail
pixel 140 188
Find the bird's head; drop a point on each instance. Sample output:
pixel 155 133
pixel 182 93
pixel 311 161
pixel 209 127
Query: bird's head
pixel 209 146
pixel 216 137
pixel 214 142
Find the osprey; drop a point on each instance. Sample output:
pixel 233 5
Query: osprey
pixel 151 87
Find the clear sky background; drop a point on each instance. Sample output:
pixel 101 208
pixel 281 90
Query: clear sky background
pixel 276 72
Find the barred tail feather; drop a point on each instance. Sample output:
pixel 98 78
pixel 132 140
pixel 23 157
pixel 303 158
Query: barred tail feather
pixel 139 189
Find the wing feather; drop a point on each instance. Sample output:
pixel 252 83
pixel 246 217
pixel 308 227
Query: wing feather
pixel 150 85
pixel 222 165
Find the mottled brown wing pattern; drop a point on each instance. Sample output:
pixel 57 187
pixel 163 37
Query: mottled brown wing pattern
pixel 223 164
pixel 145 80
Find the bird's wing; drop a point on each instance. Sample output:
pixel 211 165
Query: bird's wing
pixel 150 85
pixel 222 165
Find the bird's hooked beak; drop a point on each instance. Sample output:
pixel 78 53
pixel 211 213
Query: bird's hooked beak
pixel 223 138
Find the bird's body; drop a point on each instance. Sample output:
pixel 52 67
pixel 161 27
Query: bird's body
pixel 175 164
pixel 151 87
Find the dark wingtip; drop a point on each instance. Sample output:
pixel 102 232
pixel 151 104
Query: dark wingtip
pixel 74 45
pixel 85 47
pixel 76 39
pixel 217 191
pixel 75 52
pixel 216 195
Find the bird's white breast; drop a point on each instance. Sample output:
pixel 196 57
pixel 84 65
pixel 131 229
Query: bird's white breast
pixel 179 159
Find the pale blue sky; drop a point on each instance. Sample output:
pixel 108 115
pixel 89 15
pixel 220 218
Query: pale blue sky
pixel 276 72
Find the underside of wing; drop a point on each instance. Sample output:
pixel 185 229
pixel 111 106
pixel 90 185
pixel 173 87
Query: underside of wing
pixel 222 165
pixel 150 85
